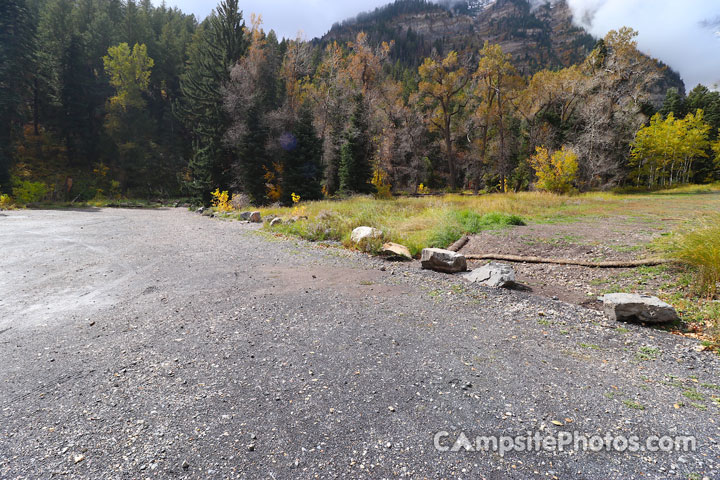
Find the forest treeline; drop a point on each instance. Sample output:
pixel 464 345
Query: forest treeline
pixel 107 98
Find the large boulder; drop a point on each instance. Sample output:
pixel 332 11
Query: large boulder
pixel 255 217
pixel 644 308
pixel 498 275
pixel 361 234
pixel 443 260
pixel 395 251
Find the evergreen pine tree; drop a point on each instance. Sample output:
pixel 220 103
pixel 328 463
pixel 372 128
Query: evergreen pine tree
pixel 218 45
pixel 253 156
pixel 16 47
pixel 674 103
pixel 355 171
pixel 302 173
pixel 76 104
pixel 332 156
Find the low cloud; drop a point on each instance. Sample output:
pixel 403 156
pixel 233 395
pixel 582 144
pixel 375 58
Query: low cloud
pixel 683 34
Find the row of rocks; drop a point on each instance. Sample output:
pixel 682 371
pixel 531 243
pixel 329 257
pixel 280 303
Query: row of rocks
pixel 617 306
pixel 252 217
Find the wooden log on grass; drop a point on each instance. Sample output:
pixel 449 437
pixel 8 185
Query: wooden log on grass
pixel 455 247
pixel 561 261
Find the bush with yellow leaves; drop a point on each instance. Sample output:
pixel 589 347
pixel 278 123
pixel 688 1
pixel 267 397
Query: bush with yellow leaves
pixel 556 173
pixel 382 186
pixel 6 202
pixel 221 201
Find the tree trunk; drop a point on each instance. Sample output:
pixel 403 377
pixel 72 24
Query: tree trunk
pixel 450 156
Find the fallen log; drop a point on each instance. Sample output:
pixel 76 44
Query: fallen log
pixel 561 261
pixel 455 247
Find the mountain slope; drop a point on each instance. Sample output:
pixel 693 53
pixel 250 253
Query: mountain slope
pixel 538 38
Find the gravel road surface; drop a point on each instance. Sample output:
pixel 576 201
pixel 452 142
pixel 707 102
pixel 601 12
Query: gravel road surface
pixel 164 344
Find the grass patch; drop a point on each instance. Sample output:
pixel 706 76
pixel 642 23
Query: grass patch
pixel 418 222
pixel 467 222
pixel 694 395
pixel 634 405
pixel 647 353
pixel 699 248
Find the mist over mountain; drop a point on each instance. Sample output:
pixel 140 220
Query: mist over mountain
pixel 681 34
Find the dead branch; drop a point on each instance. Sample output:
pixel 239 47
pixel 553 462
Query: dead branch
pixel 560 261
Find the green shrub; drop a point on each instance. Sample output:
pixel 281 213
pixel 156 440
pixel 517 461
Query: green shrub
pixel 26 192
pixel 466 222
pixel 699 248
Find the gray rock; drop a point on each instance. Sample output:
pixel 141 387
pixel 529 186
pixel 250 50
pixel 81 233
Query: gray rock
pixel 498 275
pixel 200 210
pixel 631 306
pixel 276 221
pixel 245 215
pixel 364 233
pixel 269 218
pixel 255 217
pixel 443 260
pixel 395 251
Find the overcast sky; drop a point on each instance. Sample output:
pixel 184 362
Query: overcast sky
pixel 685 34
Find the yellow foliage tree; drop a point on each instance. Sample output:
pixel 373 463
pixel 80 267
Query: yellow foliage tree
pixel 664 151
pixel 129 72
pixel 556 173
pixel 443 95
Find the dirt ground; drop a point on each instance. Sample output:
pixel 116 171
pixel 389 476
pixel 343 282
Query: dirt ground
pixel 164 344
pixel 593 239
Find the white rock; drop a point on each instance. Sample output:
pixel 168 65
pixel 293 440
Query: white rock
pixel 499 275
pixel 443 260
pixel 631 306
pixel 395 251
pixel 364 233
pixel 276 221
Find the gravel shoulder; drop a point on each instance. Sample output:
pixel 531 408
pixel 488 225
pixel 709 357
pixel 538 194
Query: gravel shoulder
pixel 164 344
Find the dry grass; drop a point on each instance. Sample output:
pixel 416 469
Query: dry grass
pixel 698 246
pixel 419 222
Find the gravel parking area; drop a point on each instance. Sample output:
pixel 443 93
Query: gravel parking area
pixel 164 344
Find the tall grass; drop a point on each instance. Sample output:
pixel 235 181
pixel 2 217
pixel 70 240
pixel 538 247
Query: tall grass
pixel 415 222
pixel 465 222
pixel 419 222
pixel 699 247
